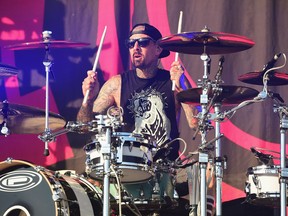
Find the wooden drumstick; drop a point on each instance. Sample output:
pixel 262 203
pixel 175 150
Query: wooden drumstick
pixel 96 62
pixel 177 54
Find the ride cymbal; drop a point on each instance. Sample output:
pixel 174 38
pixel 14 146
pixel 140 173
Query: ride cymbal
pixel 43 44
pixel 22 119
pixel 256 78
pixel 211 43
pixel 7 70
pixel 229 95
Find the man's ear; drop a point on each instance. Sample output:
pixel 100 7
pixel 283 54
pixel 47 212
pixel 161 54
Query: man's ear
pixel 159 50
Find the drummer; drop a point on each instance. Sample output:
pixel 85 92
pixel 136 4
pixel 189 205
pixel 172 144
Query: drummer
pixel 144 92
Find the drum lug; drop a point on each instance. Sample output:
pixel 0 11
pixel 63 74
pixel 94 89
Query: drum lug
pixel 256 181
pixel 9 160
pixel 39 168
pixel 247 188
pixel 131 146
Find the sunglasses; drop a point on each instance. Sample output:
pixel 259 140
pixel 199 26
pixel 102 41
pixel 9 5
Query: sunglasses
pixel 142 42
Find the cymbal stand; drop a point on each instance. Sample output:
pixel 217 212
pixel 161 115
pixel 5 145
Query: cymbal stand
pixel 219 160
pixel 283 113
pixel 47 64
pixel 106 152
pixel 203 127
pixel 4 112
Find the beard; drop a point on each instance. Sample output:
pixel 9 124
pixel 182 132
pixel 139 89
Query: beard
pixel 138 63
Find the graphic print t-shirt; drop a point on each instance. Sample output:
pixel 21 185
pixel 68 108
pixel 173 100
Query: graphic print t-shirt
pixel 149 107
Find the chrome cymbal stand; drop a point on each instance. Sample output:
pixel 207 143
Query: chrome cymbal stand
pixel 203 128
pixel 283 113
pixel 204 157
pixel 106 152
pixel 219 162
pixel 47 63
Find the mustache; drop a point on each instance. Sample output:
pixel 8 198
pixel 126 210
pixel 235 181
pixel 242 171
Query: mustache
pixel 137 53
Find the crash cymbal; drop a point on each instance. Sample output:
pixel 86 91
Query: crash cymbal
pixel 256 78
pixel 230 95
pixel 214 43
pixel 7 70
pixel 43 44
pixel 22 119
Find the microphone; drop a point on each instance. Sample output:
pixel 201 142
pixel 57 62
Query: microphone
pixel 264 158
pixel 219 72
pixel 276 96
pixel 271 63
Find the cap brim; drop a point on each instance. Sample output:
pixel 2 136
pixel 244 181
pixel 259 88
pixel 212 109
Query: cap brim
pixel 164 53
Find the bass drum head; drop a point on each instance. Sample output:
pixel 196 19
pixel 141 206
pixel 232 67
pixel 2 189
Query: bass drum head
pixel 26 189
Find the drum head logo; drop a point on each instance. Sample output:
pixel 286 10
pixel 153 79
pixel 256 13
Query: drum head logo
pixel 17 181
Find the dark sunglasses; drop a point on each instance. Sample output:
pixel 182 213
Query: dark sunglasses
pixel 142 42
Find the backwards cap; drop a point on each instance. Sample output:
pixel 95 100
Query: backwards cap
pixel 151 31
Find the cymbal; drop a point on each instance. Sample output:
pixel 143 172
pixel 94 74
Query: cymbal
pixel 43 44
pixel 28 120
pixel 256 78
pixel 213 42
pixel 230 95
pixel 7 70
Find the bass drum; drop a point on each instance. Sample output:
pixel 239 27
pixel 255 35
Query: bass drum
pixel 26 190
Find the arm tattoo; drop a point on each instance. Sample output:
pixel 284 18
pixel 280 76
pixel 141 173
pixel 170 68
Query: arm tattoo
pixel 85 113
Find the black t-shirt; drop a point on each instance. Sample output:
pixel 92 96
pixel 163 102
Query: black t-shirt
pixel 149 108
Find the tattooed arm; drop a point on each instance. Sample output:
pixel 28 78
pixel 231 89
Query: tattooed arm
pixel 109 95
pixel 176 73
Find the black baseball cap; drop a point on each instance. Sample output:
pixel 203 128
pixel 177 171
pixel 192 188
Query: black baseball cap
pixel 151 31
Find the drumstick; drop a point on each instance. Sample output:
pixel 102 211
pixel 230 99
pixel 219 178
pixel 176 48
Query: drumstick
pixel 96 62
pixel 177 54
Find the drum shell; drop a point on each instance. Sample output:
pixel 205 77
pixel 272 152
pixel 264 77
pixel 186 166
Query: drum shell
pixel 262 185
pixel 132 157
pixel 44 192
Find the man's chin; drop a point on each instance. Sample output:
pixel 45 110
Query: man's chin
pixel 138 64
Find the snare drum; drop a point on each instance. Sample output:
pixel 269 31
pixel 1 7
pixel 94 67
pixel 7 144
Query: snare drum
pixel 26 189
pixel 262 186
pixel 132 157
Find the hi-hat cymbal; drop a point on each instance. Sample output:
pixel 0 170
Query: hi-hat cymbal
pixel 213 42
pixel 43 44
pixel 230 95
pixel 22 119
pixel 7 70
pixel 256 78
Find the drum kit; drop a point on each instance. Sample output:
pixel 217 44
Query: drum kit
pixel 115 157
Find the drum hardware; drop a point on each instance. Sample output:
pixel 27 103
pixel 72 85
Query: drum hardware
pixel 265 159
pixel 209 93
pixel 269 77
pixel 283 113
pixel 262 185
pixel 7 70
pixel 71 126
pixel 20 119
pixel 214 42
pixel 46 43
pixel 273 78
pixel 129 151
pixel 23 184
